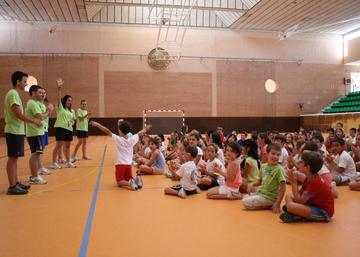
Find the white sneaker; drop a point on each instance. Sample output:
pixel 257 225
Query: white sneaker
pixel 44 171
pixel 37 180
pixel 70 165
pixel 74 159
pixel 62 161
pixel 55 166
pixel 132 184
pixel 86 158
pixel 182 193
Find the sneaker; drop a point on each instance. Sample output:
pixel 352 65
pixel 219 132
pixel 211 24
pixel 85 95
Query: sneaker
pixel 74 159
pixel 37 180
pixel 132 184
pixel 168 174
pixel 138 181
pixel 62 161
pixel 16 190
pixel 86 158
pixel 198 190
pixel 182 193
pixel 55 166
pixel 289 218
pixel 22 186
pixel 70 165
pixel 44 171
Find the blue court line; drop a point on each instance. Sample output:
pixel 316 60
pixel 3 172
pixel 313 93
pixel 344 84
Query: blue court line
pixel 86 236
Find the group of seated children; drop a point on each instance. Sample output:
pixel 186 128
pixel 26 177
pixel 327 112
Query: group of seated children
pixel 258 168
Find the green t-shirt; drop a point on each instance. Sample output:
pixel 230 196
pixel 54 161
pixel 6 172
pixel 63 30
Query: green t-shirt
pixel 271 176
pixel 12 124
pixel 81 124
pixel 64 118
pixel 254 173
pixel 46 121
pixel 31 111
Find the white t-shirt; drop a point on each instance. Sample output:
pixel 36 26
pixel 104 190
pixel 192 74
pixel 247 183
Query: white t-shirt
pixel 210 165
pixel 124 148
pixel 283 158
pixel 323 170
pixel 345 161
pixel 147 151
pixel 200 151
pixel 220 155
pixel 188 175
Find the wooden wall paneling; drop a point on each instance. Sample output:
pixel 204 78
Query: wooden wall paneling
pixel 80 76
pixel 127 94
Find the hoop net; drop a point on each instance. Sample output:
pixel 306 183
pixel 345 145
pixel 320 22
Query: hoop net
pixel 164 121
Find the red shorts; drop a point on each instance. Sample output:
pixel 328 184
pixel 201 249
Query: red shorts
pixel 123 172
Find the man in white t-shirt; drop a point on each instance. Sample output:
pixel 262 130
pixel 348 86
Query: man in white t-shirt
pixel 187 175
pixel 124 153
pixel 342 168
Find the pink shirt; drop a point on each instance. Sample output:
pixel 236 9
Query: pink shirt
pixel 235 184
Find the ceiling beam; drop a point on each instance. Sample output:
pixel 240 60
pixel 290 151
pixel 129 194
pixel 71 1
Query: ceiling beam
pixel 167 6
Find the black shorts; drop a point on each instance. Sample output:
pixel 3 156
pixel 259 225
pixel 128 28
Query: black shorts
pixel 82 134
pixel 15 145
pixel 178 187
pixel 214 183
pixel 36 144
pixel 63 134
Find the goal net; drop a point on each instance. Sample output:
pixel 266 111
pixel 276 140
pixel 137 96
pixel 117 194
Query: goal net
pixel 164 121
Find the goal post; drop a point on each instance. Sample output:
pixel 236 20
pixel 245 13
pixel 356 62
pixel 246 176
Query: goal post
pixel 164 121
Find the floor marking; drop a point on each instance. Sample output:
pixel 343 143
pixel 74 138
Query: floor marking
pixel 86 236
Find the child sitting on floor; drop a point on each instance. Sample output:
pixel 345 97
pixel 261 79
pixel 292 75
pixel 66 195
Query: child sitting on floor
pixel 272 181
pixel 342 168
pixel 155 165
pixel 211 179
pixel 187 175
pixel 314 202
pixel 250 165
pixel 233 180
pixel 124 153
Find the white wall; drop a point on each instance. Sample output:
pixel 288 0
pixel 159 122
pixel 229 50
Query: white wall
pixel 117 39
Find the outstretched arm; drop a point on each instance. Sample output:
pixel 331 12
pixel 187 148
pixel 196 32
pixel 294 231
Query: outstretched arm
pixel 101 127
pixel 144 130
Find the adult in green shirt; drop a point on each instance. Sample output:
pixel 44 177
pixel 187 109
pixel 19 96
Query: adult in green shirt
pixel 82 124
pixel 15 131
pixel 35 134
pixel 64 130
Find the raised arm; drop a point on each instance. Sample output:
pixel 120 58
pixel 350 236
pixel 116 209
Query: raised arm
pixel 59 95
pixel 144 130
pixel 101 127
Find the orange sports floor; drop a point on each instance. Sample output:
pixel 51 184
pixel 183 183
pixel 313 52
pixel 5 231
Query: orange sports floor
pixel 51 220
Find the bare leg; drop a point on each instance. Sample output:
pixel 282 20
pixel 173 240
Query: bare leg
pixel 34 164
pixel 144 170
pixel 84 147
pixel 355 186
pixel 79 143
pixel 170 191
pixel 11 169
pixel 67 150
pixel 57 151
pixel 297 208
pixel 125 184
pixel 213 193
